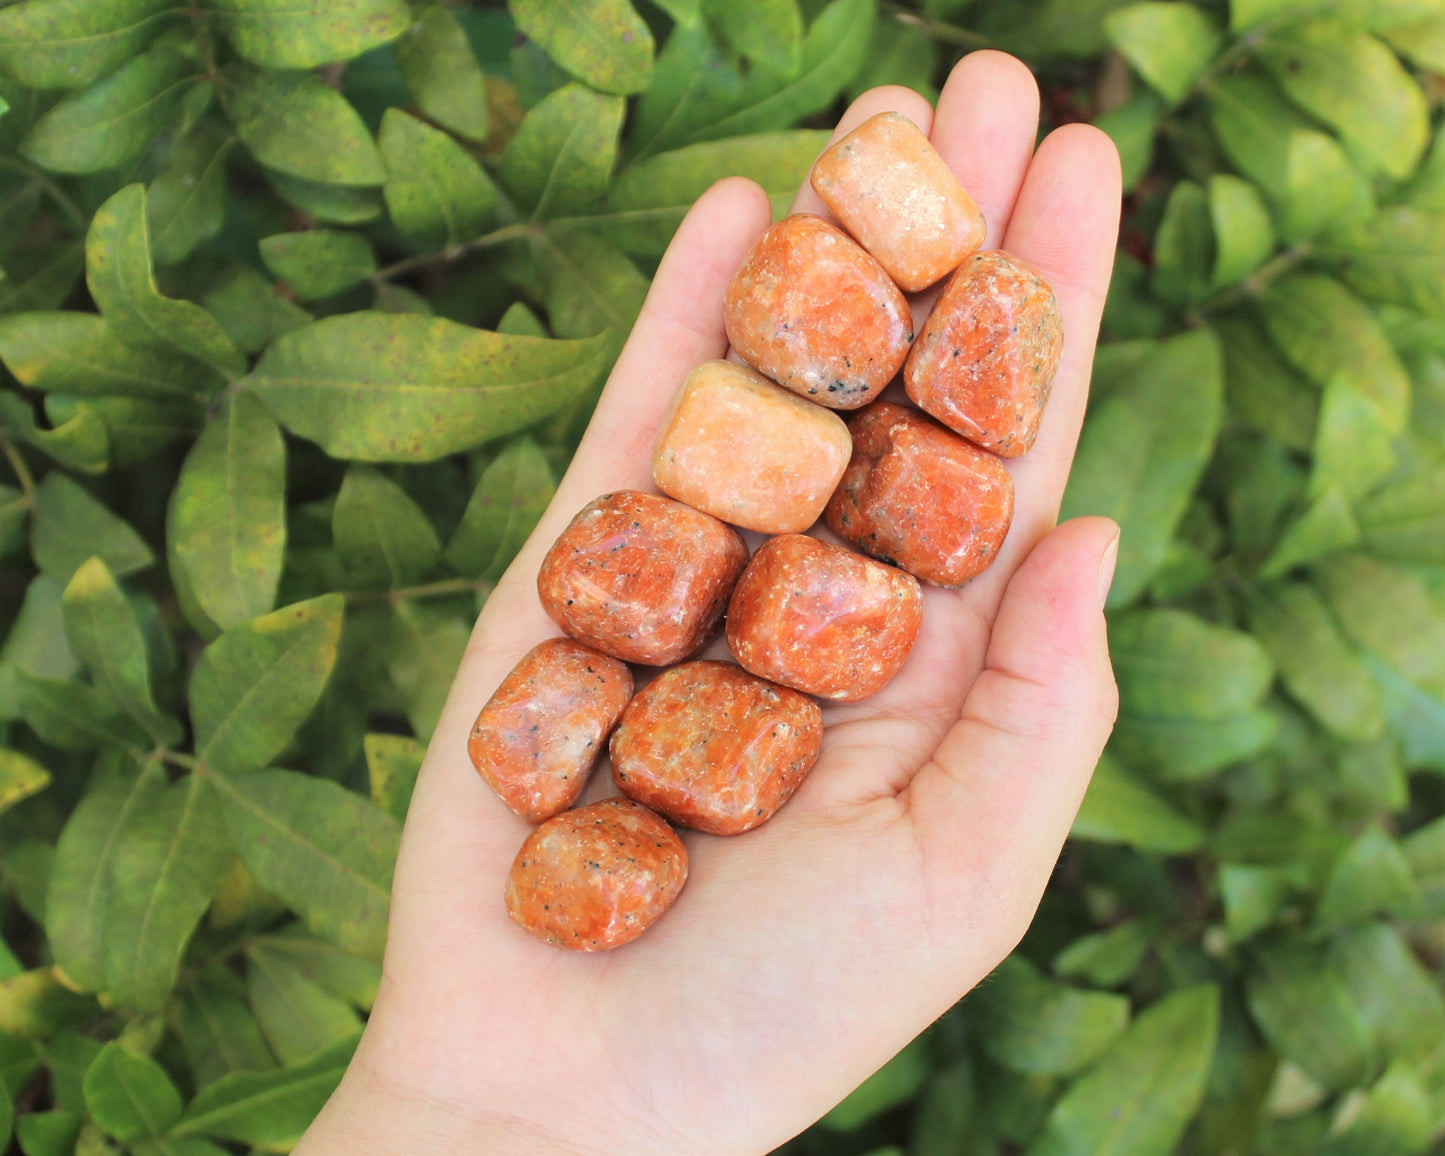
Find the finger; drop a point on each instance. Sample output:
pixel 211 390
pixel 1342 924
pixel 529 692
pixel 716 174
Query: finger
pixel 886 98
pixel 1066 224
pixel 987 119
pixel 451 819
pixel 995 804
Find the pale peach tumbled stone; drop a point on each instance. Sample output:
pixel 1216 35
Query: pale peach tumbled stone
pixel 742 449
pixel 891 190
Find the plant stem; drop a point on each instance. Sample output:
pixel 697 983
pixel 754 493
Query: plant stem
pixel 440 589
pixel 62 199
pixel 17 463
pixel 411 264
pixel 1254 284
pixel 938 30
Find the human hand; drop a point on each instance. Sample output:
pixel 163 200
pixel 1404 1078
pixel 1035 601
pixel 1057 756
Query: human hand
pixel 803 954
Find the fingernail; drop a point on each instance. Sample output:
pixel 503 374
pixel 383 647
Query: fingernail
pixel 1106 567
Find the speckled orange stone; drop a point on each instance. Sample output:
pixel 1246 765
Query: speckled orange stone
pixel 888 187
pixel 596 877
pixel 822 619
pixel 921 498
pixel 712 747
pixel 641 577
pixel 535 741
pixel 738 447
pixel 986 359
pixel 813 311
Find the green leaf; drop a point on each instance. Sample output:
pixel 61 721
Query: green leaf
pixel 1184 247
pixel 1315 663
pixel 423 653
pixel 72 715
pixel 118 271
pixel 324 851
pixel 1029 1023
pixel 1353 448
pixel 1140 1094
pixel 219 1032
pixel 35 644
pixel 186 203
pixel 392 387
pixel 435 191
pixel 1106 958
pixel 767 32
pixel 267 1109
pixel 35 1004
pixel 256 684
pixel 68 1056
pixel 696 95
pixel 1243 231
pixel 1144 449
pixel 72 43
pixel 383 538
pixel 603 42
pixel 392 763
pixel 1170 45
pixel 896 1082
pixel 1133 126
pixel 1395 1117
pixel 110 123
pixel 136 428
pixel 339 204
pixel 130 1096
pixel 78 445
pixel 106 636
pixel 319 262
pixel 1120 809
pixel 561 158
pixel 295 123
pixel 442 72
pixel 1263 390
pixel 510 498
pixel 41 280
pixel 349 977
pixel 1399 999
pixel 1254 896
pixel 1329 334
pixel 1370 876
pixel 1395 256
pixel 902 54
pixel 227 520
pixel 297 1017
pixel 1404 520
pixel 251 312
pixel 1354 84
pixel 648 200
pixel 20 777
pixel 1170 663
pixel 80 879
pixel 50 1133
pixel 1304 1009
pixel 1326 526
pixel 166 865
pixel 284 34
pixel 82 353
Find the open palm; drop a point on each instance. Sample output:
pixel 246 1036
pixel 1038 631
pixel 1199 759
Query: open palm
pixel 802 954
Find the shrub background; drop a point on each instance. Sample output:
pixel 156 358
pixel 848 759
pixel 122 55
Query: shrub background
pixel 239 562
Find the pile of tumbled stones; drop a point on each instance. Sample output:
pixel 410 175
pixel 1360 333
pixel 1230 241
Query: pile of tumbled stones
pixel 820 318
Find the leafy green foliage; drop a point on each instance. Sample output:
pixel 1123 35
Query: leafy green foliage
pixel 303 308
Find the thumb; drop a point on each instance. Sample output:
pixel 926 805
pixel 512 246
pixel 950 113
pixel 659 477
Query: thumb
pixel 996 802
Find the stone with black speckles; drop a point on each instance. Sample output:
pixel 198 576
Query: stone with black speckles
pixel 920 497
pixel 891 190
pixel 597 877
pixel 986 359
pixel 538 737
pixel 641 577
pixel 812 310
pixel 715 748
pixel 822 619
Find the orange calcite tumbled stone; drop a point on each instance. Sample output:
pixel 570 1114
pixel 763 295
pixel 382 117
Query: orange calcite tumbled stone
pixel 921 498
pixel 538 736
pixel 822 619
pixel 813 311
pixel 596 877
pixel 712 747
pixel 738 447
pixel 986 359
pixel 641 577
pixel 888 187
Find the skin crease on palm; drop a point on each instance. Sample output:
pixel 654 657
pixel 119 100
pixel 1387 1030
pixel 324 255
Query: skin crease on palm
pixel 805 953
